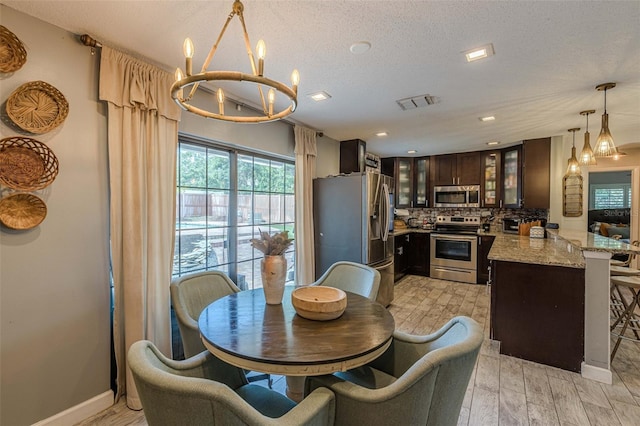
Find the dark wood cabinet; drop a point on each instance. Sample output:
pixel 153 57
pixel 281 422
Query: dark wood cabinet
pixel 536 173
pixel 419 254
pixel 456 169
pixel 421 194
pixel 411 177
pixel 484 245
pixel 401 256
pixel 491 175
pixel 512 177
pixel 352 156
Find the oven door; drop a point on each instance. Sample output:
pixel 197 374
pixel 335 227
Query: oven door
pixel 454 251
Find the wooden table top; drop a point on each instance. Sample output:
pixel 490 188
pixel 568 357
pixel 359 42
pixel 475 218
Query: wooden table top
pixel 244 331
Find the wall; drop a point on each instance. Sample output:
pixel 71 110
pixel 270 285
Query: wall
pixel 54 279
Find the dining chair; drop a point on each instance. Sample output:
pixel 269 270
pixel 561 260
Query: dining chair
pixel 629 258
pixel 204 390
pixel 418 380
pixel 190 294
pixel 354 277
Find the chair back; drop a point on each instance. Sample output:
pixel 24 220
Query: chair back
pixel 354 277
pixel 190 294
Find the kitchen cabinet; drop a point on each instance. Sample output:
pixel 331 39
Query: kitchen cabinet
pixel 401 169
pixel 490 186
pixel 401 256
pixel 456 169
pixel 352 156
pixel 419 254
pixel 512 177
pixel 421 182
pixel 484 245
pixel 536 173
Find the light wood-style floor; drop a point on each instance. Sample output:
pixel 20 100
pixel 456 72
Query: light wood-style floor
pixel 503 390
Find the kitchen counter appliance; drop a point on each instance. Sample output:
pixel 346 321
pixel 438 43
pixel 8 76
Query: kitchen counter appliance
pixel 454 248
pixel 456 196
pixel 353 219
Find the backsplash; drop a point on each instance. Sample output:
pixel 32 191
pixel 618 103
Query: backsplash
pixel 495 214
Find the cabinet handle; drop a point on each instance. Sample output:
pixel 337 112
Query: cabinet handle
pixel 406 238
pixel 500 203
pixel 453 180
pixel 458 180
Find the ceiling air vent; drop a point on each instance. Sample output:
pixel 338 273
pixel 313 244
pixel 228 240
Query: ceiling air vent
pixel 417 102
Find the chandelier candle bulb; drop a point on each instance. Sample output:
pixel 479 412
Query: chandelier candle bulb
pixel 272 99
pixel 295 80
pixel 261 51
pixel 220 95
pixel 187 47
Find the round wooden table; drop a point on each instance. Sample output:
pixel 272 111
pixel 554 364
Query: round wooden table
pixel 244 331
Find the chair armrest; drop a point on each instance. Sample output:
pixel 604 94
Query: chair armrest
pixel 207 366
pixel 318 408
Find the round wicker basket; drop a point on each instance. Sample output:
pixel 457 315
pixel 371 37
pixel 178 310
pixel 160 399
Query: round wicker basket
pixel 12 52
pixel 22 211
pixel 26 164
pixel 37 107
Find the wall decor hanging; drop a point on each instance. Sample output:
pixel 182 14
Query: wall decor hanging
pixel 22 211
pixel 12 52
pixel 37 107
pixel 572 195
pixel 26 164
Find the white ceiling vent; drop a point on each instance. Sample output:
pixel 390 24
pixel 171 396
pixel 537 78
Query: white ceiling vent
pixel 417 102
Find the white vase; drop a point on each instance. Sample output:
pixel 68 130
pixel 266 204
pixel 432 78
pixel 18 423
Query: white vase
pixel 274 270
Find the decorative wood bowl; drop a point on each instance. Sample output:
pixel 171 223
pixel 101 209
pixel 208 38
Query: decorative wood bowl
pixel 319 303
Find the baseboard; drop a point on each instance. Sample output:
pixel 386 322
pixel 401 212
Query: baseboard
pixel 597 373
pixel 79 412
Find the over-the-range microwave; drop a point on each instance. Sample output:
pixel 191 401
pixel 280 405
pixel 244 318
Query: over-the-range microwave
pixel 456 196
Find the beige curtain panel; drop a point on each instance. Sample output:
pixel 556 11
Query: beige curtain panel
pixel 142 141
pixel 306 153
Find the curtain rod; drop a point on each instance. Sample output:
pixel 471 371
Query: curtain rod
pixel 91 42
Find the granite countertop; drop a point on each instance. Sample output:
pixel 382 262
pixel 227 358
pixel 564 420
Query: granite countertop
pixel 537 251
pixel 587 241
pixel 405 231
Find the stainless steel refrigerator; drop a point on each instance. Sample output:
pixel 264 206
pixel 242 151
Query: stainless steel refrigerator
pixel 353 220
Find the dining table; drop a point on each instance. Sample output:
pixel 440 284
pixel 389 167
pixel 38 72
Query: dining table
pixel 245 331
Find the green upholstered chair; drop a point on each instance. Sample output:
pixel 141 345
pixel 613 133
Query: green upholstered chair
pixel 204 390
pixel 354 277
pixel 419 380
pixel 190 294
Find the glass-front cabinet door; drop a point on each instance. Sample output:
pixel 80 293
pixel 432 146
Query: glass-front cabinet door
pixel 512 177
pixel 404 183
pixel 421 182
pixel 491 179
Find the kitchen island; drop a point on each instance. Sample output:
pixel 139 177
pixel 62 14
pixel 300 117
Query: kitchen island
pixel 550 299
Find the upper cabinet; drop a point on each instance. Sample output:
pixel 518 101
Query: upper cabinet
pixel 536 173
pixel 491 184
pixel 411 176
pixel 456 169
pixel 512 177
pixel 352 156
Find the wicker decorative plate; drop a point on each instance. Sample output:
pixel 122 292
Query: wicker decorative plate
pixel 26 164
pixel 12 53
pixel 37 107
pixel 22 211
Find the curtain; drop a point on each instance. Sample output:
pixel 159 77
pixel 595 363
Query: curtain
pixel 305 151
pixel 142 143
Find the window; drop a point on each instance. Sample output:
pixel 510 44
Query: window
pixel 224 199
pixel 610 196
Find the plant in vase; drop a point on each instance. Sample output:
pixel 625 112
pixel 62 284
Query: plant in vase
pixel 274 264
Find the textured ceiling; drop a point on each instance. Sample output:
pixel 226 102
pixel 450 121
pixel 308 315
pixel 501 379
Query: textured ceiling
pixel 549 56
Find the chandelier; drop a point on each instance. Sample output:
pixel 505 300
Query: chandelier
pixel 187 82
pixel 586 156
pixel 604 145
pixel 573 167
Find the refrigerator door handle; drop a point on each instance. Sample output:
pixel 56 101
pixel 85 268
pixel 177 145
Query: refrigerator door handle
pixel 386 206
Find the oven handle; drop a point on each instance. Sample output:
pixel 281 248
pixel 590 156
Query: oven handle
pixel 455 237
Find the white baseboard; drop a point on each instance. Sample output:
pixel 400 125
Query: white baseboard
pixel 597 373
pixel 79 412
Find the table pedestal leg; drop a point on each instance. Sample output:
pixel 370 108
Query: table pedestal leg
pixel 295 387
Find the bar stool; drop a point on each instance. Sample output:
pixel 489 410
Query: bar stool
pixel 626 321
pixel 629 257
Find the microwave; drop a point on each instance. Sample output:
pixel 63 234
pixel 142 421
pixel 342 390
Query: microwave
pixel 456 196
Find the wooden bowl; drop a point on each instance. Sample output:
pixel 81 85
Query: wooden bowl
pixel 319 303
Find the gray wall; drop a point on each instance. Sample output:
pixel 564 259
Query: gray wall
pixel 54 279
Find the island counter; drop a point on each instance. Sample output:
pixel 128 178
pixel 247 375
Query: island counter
pixel 550 299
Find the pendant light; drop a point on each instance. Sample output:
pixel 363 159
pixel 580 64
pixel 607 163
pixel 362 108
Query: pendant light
pixel 586 156
pixel 604 144
pixel 573 167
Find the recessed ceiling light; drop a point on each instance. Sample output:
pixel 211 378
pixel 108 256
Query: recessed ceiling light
pixel 360 47
pixel 487 118
pixel 479 52
pixel 493 143
pixel 411 151
pixel 319 96
pixel 381 134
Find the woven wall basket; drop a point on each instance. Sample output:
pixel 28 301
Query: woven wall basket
pixel 12 53
pixel 37 107
pixel 22 211
pixel 26 164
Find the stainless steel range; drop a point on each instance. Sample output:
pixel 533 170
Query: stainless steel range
pixel 454 248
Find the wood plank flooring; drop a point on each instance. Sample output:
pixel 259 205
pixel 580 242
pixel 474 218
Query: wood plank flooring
pixel 503 390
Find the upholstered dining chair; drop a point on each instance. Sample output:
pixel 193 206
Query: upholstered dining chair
pixel 204 390
pixel 354 277
pixel 190 294
pixel 418 380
